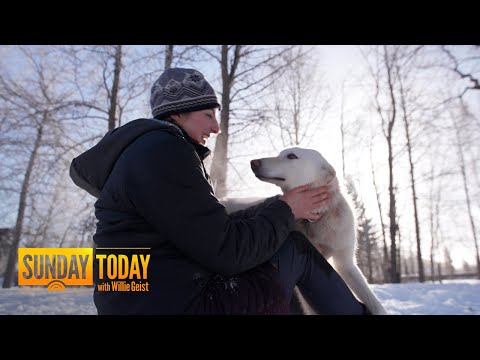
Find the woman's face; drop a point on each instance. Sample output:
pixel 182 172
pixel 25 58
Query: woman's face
pixel 199 125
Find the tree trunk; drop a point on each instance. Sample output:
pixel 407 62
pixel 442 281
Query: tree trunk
pixel 467 194
pixel 369 256
pixel 399 254
pixel 342 131
pixel 439 271
pixel 394 275
pixel 421 272
pixel 115 86
pixel 392 214
pixel 432 235
pixel 168 56
pixel 12 254
pixel 220 156
pixel 386 262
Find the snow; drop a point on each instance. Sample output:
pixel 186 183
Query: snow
pixel 455 297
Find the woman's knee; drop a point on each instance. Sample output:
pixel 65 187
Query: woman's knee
pixel 289 261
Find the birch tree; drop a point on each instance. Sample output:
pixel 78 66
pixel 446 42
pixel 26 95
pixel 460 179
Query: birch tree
pixel 386 262
pixel 434 219
pixel 382 71
pixel 368 253
pixel 460 129
pixel 403 71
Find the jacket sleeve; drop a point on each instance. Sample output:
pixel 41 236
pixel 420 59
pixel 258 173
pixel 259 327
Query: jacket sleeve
pixel 167 187
pixel 255 209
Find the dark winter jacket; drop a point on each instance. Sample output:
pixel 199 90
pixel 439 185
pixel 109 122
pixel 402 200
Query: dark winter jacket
pixel 154 194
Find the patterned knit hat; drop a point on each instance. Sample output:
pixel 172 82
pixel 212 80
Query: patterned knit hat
pixel 181 90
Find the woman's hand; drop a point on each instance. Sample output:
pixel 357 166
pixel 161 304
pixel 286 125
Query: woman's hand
pixel 303 201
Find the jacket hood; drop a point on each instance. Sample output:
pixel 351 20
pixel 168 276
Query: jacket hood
pixel 91 169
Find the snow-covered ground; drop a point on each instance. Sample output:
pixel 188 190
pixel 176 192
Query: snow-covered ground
pixel 456 297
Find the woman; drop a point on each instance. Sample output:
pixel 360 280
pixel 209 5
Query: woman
pixel 155 198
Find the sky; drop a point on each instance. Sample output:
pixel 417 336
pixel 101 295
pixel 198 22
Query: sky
pixel 452 297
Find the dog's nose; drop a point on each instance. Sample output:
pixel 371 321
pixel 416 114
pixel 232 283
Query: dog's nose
pixel 255 164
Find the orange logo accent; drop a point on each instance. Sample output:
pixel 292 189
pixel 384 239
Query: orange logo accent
pixel 55 268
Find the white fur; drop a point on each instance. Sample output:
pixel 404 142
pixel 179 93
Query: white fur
pixel 334 235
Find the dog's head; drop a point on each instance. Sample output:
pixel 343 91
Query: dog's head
pixel 294 167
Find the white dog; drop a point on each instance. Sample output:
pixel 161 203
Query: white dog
pixel 334 234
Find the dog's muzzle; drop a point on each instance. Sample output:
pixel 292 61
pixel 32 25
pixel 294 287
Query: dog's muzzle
pixel 255 165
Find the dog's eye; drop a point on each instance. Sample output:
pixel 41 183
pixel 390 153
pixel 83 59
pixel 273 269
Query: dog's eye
pixel 292 156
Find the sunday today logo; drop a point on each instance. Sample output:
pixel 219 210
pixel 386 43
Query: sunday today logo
pixel 55 268
pixel 122 269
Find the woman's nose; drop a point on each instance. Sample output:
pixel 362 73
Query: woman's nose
pixel 215 127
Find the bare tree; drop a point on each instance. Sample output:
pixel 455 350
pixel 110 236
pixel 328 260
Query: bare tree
pixel 383 74
pixel 367 252
pixel 466 67
pixel 33 101
pixel 182 55
pixel 386 261
pixel 246 73
pixel 408 138
pixel 301 101
pixel 41 104
pixel 459 142
pixel 12 256
pixel 342 128
pixel 6 235
pixel 110 78
pixel 177 55
pixel 434 202
pixel 450 269
pixel 113 91
pixel 168 56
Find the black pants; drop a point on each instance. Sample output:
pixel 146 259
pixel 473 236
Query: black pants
pixel 300 264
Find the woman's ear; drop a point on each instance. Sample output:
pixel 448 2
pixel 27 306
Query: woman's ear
pixel 175 117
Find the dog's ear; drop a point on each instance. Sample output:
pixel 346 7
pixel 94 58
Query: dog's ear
pixel 325 165
pixel 331 170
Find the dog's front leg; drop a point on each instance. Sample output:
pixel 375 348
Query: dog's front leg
pixel 357 283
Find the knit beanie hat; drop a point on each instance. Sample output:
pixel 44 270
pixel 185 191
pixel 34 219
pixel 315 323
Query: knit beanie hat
pixel 181 90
